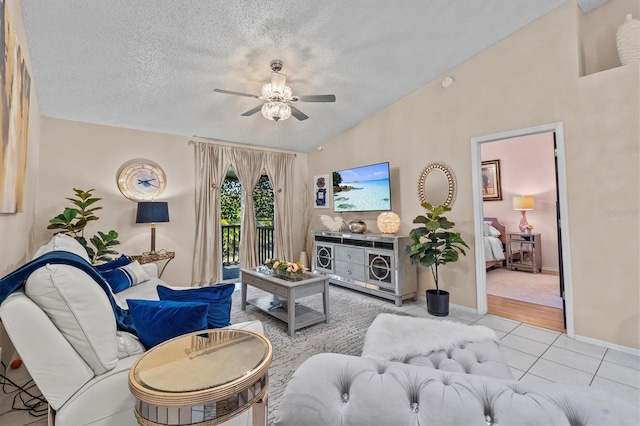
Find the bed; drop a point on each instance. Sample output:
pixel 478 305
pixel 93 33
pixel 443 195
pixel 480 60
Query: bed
pixel 495 239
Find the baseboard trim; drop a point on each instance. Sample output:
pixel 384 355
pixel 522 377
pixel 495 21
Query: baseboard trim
pixel 625 349
pixel 423 298
pixel 463 308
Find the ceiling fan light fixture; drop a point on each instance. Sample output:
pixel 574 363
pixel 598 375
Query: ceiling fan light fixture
pixel 276 111
pixel 278 82
pixel 270 94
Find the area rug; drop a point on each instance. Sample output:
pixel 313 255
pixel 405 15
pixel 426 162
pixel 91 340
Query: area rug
pixel 542 289
pixel 350 316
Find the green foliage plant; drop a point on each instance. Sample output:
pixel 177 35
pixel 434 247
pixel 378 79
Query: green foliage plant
pixel 73 220
pixel 433 241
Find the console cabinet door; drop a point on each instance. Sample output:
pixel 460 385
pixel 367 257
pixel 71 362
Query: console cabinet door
pixel 381 268
pixel 324 257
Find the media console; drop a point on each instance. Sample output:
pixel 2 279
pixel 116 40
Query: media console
pixel 374 264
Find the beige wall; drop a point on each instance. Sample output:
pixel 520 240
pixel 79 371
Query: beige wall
pixel 89 155
pixel 597 34
pixel 16 229
pixel 527 167
pixel 528 79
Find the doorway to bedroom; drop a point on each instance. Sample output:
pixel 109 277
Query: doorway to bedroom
pixel 519 212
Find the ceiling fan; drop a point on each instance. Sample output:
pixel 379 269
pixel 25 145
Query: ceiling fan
pixel 278 97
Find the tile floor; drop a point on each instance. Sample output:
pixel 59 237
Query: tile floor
pixel 532 353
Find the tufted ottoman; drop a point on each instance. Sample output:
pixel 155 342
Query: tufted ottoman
pixel 425 372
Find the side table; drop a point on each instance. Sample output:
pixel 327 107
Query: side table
pixel 149 257
pixel 524 251
pixel 202 378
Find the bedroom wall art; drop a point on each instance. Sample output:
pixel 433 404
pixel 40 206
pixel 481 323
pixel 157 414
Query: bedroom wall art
pixel 491 187
pixel 321 191
pixel 15 89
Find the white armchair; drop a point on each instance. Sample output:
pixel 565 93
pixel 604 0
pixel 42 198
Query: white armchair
pixel 63 327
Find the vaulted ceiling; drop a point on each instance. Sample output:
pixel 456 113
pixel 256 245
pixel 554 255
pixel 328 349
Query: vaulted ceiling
pixel 153 64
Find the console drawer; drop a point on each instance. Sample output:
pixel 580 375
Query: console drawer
pixel 349 254
pixel 350 270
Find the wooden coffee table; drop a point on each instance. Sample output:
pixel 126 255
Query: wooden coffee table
pixel 202 378
pixel 296 316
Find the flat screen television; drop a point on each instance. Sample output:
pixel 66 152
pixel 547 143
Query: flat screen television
pixel 362 189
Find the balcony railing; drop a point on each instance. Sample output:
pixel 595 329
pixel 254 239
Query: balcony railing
pixel 231 244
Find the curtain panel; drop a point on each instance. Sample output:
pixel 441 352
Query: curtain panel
pixel 212 164
pixel 248 168
pixel 279 167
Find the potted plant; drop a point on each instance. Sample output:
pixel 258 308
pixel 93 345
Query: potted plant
pixel 73 220
pixel 434 244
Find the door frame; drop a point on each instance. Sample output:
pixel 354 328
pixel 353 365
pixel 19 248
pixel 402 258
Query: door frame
pixel 478 216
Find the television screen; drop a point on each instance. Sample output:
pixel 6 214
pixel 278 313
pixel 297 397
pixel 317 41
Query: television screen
pixel 362 189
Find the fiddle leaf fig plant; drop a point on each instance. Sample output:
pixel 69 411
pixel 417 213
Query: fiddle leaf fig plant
pixel 433 242
pixel 73 220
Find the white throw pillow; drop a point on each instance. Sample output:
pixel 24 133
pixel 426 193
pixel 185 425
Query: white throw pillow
pixel 485 228
pixel 494 232
pixel 80 309
pixel 136 272
pixel 65 243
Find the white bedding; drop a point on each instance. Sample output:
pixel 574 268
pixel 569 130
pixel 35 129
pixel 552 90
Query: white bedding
pixel 493 249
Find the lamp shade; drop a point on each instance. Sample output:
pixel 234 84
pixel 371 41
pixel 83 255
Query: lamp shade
pixel 523 202
pixel 152 212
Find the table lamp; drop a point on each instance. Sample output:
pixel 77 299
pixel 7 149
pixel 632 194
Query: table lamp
pixel 152 212
pixel 523 203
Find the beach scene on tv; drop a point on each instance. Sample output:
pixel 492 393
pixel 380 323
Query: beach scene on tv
pixel 362 189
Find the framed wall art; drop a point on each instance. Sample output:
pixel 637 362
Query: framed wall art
pixel 321 185
pixel 15 90
pixel 491 186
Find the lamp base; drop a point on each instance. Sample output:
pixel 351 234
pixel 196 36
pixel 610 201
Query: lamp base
pixel 523 221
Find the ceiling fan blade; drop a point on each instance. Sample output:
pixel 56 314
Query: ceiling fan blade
pixel 297 113
pixel 317 98
pixel 252 111
pixel 228 92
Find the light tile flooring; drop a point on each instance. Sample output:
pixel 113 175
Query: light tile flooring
pixel 532 353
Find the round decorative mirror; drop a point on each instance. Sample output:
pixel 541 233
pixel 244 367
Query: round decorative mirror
pixel 437 185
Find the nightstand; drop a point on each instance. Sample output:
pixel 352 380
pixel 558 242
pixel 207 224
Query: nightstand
pixel 524 252
pixel 155 257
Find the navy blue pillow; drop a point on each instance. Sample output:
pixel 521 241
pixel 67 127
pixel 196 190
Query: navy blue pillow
pixel 218 297
pixel 157 321
pixel 125 276
pixel 121 261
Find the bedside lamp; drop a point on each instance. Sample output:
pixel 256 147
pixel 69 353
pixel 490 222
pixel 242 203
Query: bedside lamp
pixel 523 203
pixel 152 212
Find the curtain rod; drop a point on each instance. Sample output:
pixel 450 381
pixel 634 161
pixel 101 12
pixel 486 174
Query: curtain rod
pixel 231 145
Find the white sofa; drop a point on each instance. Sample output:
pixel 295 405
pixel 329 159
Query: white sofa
pixel 63 327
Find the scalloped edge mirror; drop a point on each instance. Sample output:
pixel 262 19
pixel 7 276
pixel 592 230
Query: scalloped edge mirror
pixel 451 191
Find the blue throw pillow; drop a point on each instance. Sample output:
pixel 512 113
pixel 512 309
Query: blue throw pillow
pixel 125 276
pixel 218 297
pixel 121 261
pixel 157 321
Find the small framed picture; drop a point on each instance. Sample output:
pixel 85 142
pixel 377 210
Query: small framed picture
pixel 491 187
pixel 321 185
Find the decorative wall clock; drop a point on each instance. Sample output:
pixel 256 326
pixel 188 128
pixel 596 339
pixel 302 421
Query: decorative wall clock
pixel 141 180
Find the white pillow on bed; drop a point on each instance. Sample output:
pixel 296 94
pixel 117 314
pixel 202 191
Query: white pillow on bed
pixel 490 231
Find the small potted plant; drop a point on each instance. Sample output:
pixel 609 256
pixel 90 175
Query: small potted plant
pixel 434 244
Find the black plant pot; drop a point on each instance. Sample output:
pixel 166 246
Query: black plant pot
pixel 438 303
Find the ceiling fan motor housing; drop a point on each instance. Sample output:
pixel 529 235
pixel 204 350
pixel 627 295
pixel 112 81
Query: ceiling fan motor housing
pixel 276 65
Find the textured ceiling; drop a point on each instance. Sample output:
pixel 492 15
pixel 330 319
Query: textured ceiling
pixel 153 64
